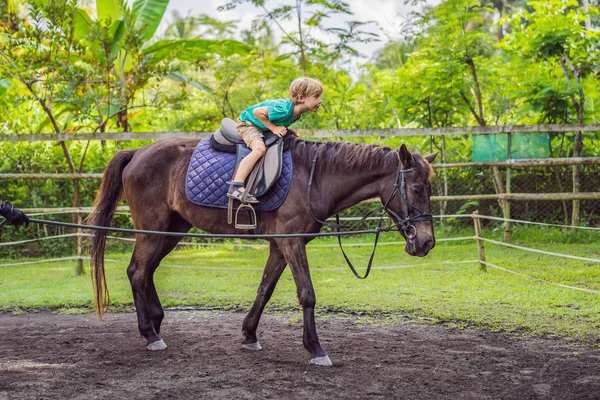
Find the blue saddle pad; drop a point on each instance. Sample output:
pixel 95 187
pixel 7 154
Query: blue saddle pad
pixel 210 169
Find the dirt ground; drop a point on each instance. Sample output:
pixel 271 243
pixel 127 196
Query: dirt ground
pixel 45 356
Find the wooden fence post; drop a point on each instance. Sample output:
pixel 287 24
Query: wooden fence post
pixel 79 239
pixel 477 224
pixel 443 204
pixel 507 227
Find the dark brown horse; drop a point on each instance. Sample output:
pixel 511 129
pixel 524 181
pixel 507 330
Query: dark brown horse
pixel 153 181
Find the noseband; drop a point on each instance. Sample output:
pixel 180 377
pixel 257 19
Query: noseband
pixel 404 223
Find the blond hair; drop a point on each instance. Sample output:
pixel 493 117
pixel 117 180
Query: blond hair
pixel 303 88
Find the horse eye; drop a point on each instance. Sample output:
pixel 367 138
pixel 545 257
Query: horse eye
pixel 417 189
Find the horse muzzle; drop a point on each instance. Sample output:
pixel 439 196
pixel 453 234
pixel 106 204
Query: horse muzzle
pixel 419 247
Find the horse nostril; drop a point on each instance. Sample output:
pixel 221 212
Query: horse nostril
pixel 428 245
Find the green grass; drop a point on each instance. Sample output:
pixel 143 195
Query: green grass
pixel 456 294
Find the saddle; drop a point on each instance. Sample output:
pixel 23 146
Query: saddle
pixel 264 174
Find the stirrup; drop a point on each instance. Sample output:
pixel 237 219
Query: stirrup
pixel 252 224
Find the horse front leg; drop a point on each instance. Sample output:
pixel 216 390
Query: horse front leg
pixel 273 269
pixel 294 251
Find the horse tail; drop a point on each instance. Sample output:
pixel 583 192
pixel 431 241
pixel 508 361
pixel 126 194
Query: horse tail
pixel 109 195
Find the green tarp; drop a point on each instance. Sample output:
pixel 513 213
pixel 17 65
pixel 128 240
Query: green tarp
pixel 494 147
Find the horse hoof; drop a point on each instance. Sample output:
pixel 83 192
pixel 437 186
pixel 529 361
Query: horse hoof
pixel 323 361
pixel 252 346
pixel 158 345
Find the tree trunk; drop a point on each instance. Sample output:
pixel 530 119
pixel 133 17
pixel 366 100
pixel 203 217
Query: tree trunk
pixel 479 116
pixel 579 107
pixel 499 4
pixel 122 118
pixel 444 203
pixel 302 52
pixel 575 217
pixel 103 142
pixel 76 218
pixel 477 91
pixel 586 8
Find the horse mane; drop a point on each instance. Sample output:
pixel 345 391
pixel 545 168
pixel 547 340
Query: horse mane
pixel 351 156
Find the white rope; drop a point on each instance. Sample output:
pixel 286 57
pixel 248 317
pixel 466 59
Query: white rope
pixel 309 244
pixel 86 210
pixel 387 243
pixel 533 223
pixel 72 212
pixel 514 246
pixel 377 218
pixel 211 268
pixel 38 239
pixel 540 280
pixel 110 237
pixel 415 265
pixel 322 269
pixel 453 216
pixel 456 239
pixel 45 261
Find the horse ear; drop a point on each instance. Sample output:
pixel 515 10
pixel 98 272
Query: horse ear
pixel 405 157
pixel 431 157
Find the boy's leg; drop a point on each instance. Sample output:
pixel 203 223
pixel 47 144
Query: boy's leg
pixel 246 165
pixel 254 139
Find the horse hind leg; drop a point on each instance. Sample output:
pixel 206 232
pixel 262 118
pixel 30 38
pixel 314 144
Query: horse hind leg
pixel 138 273
pixel 154 307
pixel 148 252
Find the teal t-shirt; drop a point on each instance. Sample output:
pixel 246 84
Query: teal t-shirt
pixel 281 113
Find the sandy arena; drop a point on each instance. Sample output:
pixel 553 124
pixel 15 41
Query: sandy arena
pixel 45 356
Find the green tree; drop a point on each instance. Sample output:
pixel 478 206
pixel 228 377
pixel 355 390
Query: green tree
pixel 456 36
pixel 309 16
pixel 83 73
pixel 555 32
pixel 393 55
pixel 120 60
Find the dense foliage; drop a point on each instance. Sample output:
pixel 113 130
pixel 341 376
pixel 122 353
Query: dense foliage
pixel 77 66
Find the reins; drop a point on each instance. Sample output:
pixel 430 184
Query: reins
pixel 405 223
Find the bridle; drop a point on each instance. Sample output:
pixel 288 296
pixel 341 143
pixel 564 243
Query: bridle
pixel 395 220
pixel 405 223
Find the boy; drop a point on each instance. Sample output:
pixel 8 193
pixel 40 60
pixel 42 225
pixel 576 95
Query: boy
pixel 275 116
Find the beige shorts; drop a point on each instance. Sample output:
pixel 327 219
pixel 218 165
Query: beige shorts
pixel 249 132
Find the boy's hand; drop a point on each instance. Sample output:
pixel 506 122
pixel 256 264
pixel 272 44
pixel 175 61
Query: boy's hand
pixel 280 131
